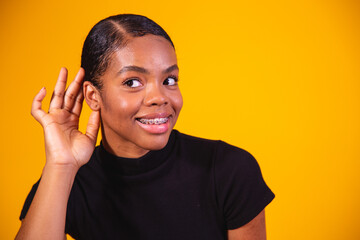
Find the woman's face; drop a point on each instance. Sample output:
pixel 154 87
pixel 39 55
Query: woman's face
pixel 140 99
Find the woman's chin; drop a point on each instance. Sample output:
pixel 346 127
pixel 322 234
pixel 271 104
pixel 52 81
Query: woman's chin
pixel 156 142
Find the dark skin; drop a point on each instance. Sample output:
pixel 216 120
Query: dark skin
pixel 140 82
pixel 146 91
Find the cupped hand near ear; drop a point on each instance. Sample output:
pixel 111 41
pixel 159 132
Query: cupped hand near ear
pixel 65 145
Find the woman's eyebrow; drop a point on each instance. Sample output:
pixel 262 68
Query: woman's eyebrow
pixel 172 68
pixel 132 68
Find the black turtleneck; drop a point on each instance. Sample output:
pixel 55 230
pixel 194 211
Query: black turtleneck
pixel 134 166
pixel 191 189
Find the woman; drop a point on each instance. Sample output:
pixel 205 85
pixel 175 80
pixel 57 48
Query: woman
pixel 145 180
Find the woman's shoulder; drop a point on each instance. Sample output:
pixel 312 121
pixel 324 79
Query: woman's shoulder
pixel 222 154
pixel 222 147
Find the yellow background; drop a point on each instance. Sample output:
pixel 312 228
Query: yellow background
pixel 278 78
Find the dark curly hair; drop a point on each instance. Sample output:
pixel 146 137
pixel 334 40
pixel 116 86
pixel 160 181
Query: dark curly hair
pixel 109 35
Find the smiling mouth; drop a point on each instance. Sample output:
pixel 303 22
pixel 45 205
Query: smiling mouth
pixel 153 121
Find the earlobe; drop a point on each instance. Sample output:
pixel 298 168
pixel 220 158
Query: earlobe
pixel 92 96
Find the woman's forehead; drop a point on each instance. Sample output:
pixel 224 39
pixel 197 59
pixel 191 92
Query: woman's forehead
pixel 148 52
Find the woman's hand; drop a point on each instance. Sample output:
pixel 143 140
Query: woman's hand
pixel 67 149
pixel 65 145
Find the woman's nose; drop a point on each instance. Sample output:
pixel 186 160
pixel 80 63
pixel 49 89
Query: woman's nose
pixel 155 95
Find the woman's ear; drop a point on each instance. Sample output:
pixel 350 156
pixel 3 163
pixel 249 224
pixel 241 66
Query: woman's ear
pixel 92 96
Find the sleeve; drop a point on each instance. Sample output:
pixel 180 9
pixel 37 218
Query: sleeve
pixel 241 190
pixel 28 200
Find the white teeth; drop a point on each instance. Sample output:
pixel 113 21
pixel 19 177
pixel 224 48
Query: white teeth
pixel 153 120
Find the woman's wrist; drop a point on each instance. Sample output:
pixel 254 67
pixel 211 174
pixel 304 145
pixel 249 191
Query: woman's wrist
pixel 60 171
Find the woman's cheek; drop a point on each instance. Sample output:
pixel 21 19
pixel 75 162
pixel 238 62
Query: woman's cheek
pixel 129 103
pixel 178 101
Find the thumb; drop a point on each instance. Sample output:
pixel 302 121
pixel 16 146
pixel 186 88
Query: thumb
pixel 93 126
pixel 36 110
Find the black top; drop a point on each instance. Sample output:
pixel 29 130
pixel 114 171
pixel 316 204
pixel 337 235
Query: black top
pixel 191 189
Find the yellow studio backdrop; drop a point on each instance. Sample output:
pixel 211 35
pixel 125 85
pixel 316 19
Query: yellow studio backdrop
pixel 280 79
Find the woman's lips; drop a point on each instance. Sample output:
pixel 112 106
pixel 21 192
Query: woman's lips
pixel 152 121
pixel 155 123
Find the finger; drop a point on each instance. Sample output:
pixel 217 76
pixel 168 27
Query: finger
pixel 36 110
pixel 57 98
pixel 93 125
pixel 78 104
pixel 73 90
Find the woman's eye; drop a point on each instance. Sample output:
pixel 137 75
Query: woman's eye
pixel 133 83
pixel 170 81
